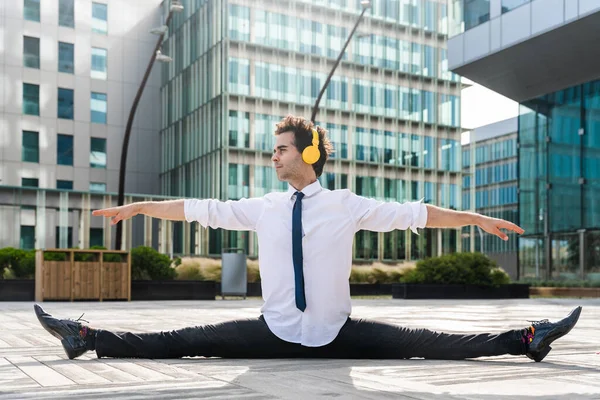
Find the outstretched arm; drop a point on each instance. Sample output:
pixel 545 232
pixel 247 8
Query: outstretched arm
pixel 170 209
pixel 444 218
pixel 232 214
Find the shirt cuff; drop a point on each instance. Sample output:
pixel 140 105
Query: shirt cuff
pixel 419 212
pixel 196 210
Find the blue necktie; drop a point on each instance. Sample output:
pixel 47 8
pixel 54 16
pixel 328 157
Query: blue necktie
pixel 297 251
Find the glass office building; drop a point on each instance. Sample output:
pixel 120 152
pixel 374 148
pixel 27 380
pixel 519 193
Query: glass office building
pixel 69 78
pixel 559 181
pixel 490 188
pixel 392 108
pixel 539 53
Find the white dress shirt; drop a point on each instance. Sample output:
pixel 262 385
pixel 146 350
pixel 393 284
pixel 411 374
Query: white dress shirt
pixel 329 221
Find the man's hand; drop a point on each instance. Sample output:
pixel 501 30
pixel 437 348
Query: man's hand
pixel 493 226
pixel 118 213
pixel 443 218
pixel 170 209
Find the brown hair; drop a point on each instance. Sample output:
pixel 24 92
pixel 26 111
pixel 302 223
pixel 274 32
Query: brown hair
pixel 302 129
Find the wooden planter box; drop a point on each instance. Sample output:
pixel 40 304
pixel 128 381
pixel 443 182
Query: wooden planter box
pixel 17 290
pixel 173 290
pixel 426 291
pixel 82 280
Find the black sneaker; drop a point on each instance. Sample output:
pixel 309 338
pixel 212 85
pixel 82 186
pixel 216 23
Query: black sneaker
pixel 542 333
pixel 68 331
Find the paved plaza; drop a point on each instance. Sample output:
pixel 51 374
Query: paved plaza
pixel 33 364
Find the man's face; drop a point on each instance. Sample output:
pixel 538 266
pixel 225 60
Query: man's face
pixel 287 159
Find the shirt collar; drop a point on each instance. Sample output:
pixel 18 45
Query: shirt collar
pixel 308 191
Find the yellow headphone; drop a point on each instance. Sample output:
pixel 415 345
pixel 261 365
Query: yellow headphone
pixel 311 154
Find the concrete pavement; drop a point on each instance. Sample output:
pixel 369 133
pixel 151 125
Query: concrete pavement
pixel 33 364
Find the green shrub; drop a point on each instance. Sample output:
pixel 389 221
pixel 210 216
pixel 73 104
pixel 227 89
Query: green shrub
pixel 20 262
pixel 83 257
pixel 107 257
pixel 52 256
pixel 147 263
pixel 25 268
pixel 457 268
pixel 499 277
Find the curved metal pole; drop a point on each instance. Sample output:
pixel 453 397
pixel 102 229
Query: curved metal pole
pixel 326 84
pixel 136 100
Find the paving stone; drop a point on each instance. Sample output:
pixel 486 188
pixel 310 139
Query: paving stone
pixel 33 364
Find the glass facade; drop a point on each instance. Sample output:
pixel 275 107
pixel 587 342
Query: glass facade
pixel 98 108
pixel 31 10
pixel 99 68
pixel 392 109
pixel 66 13
pixel 31 99
pixel 27 241
pixel 311 37
pixel 98 152
pixel 296 85
pixel 96 237
pixel 64 185
pixel 31 147
pixel 31 52
pixel 66 58
pixel 559 182
pixel 476 12
pixel 64 149
pixel 509 5
pixel 30 182
pixel 97 187
pixel 99 18
pixel 489 187
pixel 65 103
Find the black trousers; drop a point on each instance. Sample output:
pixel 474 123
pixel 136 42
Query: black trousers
pixel 358 339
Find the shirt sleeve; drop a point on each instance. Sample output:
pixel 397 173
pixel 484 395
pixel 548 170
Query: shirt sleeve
pixel 240 215
pixel 379 216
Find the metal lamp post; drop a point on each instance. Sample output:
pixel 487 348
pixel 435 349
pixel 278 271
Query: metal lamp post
pixel 366 4
pixel 156 56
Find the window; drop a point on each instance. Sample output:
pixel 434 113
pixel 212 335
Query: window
pixel 98 153
pixel 98 107
pixel 64 150
pixel 476 12
pixel 97 187
pixel 98 63
pixel 239 76
pixel 67 237
pixel 31 150
pixel 509 5
pixel 66 13
pixel 31 99
pixel 66 58
pixel 30 182
pixel 27 237
pixel 31 52
pixel 99 18
pixel 31 10
pixel 65 103
pixel 64 185
pixel 96 237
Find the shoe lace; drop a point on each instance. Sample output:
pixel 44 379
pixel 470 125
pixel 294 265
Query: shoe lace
pixel 540 322
pixel 79 319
